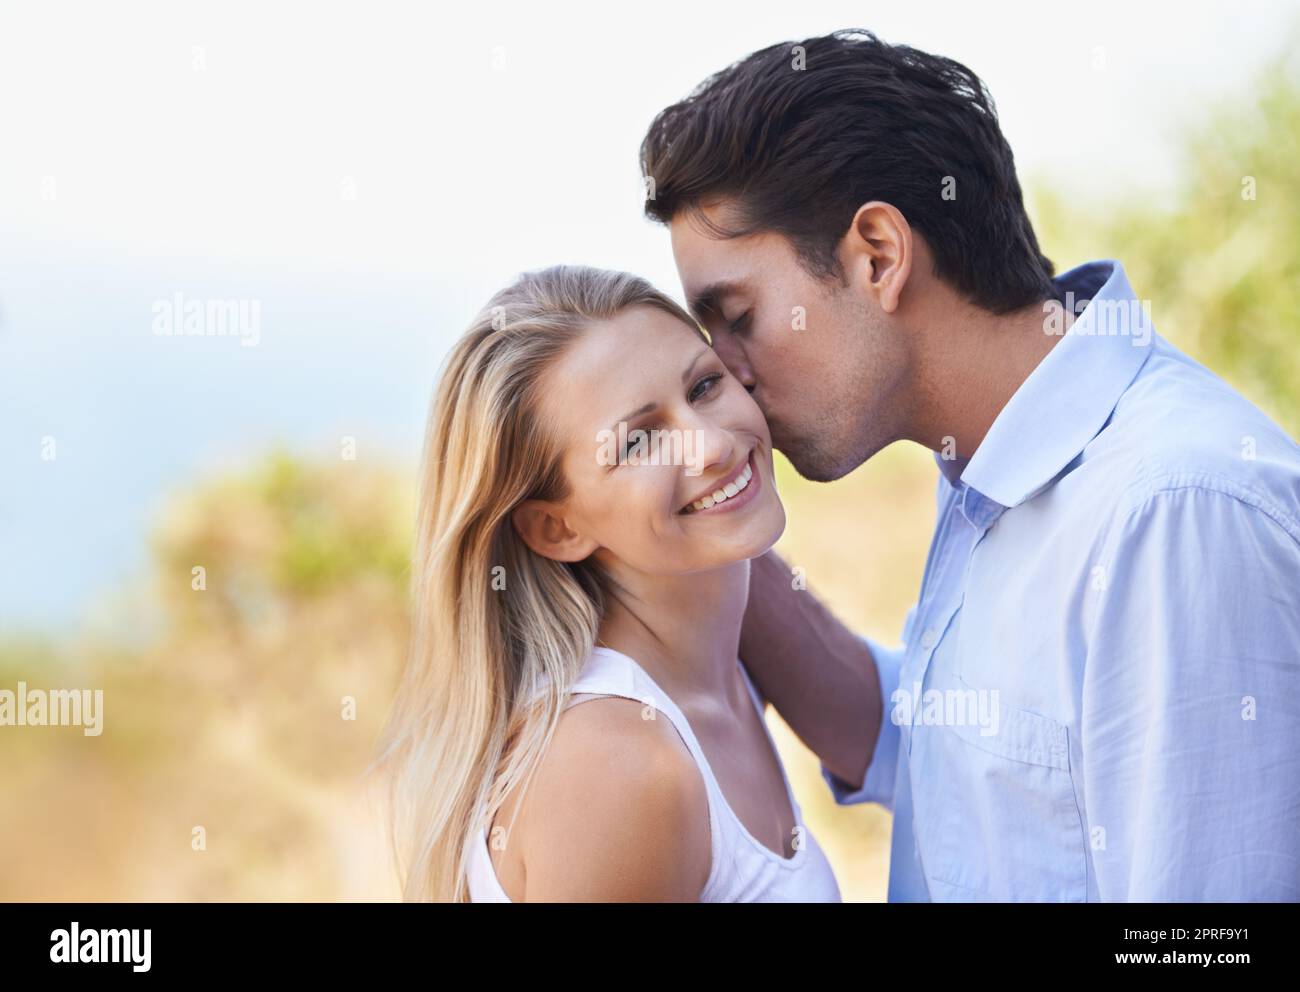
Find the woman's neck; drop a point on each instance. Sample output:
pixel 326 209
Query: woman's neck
pixel 684 630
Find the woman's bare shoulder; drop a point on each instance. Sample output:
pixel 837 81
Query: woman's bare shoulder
pixel 618 811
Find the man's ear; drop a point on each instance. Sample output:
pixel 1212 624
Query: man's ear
pixel 544 529
pixel 877 249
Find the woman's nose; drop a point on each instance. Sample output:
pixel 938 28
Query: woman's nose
pixel 709 447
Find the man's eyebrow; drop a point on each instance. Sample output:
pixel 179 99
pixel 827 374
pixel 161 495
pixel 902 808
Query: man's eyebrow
pixel 706 300
pixel 646 408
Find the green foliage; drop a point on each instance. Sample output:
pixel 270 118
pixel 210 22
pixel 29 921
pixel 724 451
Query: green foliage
pixel 286 532
pixel 1219 260
pixel 250 711
pixel 327 542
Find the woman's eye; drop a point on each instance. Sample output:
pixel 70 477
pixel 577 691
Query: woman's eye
pixel 740 323
pixel 641 441
pixel 634 439
pixel 704 386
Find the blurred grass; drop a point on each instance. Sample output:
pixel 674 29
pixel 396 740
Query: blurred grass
pixel 224 708
pixel 231 719
pixel 862 543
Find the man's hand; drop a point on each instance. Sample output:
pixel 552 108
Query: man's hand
pixel 818 674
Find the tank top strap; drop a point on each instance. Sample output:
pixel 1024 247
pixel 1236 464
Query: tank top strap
pixel 608 673
pixel 611 673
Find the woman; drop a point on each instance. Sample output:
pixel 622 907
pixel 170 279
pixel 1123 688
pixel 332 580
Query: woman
pixel 547 574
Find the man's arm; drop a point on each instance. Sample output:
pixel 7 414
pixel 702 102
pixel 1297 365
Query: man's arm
pixel 820 676
pixel 1191 705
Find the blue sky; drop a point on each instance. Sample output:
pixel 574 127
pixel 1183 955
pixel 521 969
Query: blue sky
pixel 369 173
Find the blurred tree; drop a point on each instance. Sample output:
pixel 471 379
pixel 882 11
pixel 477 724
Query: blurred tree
pixel 278 598
pixel 1219 259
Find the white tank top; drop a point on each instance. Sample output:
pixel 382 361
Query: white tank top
pixel 742 869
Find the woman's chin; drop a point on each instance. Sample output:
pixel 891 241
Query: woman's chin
pixel 757 537
pixel 768 525
pixel 774 535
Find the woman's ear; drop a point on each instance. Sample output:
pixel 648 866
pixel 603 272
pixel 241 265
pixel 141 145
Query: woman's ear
pixel 544 530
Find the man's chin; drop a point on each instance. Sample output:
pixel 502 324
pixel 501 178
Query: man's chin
pixel 815 465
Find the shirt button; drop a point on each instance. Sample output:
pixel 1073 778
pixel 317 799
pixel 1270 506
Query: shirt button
pixel 929 638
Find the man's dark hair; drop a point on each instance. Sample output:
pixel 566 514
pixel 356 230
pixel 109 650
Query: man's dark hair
pixel 798 150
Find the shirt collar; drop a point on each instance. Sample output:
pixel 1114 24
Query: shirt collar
pixel 1068 398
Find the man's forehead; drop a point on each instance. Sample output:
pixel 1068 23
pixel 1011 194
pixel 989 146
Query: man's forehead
pixel 701 225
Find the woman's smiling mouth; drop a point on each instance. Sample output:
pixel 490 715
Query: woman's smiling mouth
pixel 732 494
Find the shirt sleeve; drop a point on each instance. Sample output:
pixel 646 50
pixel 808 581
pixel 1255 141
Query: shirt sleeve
pixel 878 785
pixel 1190 710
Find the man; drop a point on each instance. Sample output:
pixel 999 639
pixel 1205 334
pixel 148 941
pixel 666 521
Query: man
pixel 1098 693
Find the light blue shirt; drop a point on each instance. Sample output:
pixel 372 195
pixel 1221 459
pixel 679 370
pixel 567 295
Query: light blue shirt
pixel 1098 696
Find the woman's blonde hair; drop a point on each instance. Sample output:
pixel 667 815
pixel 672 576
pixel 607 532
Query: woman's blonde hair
pixel 499 632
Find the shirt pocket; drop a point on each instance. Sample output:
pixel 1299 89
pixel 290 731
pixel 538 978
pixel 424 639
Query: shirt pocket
pixel 999 820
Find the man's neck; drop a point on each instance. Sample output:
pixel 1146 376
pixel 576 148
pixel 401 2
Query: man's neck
pixel 970 368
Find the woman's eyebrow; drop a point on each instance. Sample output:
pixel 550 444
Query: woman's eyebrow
pixel 694 361
pixel 631 416
pixel 647 407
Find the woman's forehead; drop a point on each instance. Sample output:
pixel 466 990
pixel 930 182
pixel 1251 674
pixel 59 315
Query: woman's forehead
pixel 616 366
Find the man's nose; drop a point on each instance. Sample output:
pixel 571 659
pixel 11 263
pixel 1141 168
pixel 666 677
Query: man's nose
pixel 734 358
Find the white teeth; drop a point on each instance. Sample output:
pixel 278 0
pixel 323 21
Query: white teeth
pixel 726 492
